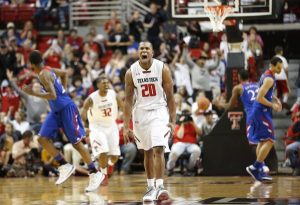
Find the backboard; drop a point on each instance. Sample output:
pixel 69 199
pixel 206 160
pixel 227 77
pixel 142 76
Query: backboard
pixel 194 9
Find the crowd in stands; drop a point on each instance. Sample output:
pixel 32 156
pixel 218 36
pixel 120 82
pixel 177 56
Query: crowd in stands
pixel 198 68
pixel 41 11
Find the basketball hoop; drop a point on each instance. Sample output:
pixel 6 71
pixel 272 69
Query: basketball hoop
pixel 217 15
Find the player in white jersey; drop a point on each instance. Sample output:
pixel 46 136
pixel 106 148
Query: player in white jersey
pixel 153 115
pixel 101 110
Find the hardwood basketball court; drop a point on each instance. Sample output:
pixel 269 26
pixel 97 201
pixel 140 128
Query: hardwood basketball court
pixel 129 189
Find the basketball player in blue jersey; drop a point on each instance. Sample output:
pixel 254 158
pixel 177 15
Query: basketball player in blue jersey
pixel 260 119
pixel 247 91
pixel 64 114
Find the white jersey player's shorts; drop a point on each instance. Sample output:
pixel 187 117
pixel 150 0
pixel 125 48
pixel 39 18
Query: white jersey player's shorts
pixel 104 139
pixel 150 128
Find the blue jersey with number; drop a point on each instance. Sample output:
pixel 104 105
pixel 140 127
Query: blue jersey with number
pixel 269 94
pixel 248 96
pixel 62 97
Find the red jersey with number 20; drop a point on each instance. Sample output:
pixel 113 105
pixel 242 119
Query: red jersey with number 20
pixel 148 86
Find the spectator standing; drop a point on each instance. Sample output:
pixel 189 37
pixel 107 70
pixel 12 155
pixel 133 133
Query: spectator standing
pixel 75 40
pixel 194 29
pixel 8 60
pixel 63 12
pixel 282 83
pixel 35 106
pixel 152 22
pixel 200 72
pixel 109 25
pixel 136 26
pixel 181 73
pixel 253 31
pixel 119 40
pixel 42 10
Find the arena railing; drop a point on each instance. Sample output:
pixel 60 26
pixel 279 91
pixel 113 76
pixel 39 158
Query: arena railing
pixel 93 10
pixel 82 11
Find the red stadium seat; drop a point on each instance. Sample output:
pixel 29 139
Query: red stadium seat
pixel 9 13
pixel 26 12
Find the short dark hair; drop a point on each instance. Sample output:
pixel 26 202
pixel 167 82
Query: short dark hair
pixel 275 60
pixel 146 42
pixel 77 78
pixel 35 57
pixel 244 74
pixel 27 134
pixel 10 124
pixel 100 78
pixel 74 30
pixel 253 28
pixel 278 49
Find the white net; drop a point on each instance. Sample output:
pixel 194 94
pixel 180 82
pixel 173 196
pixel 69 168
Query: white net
pixel 217 15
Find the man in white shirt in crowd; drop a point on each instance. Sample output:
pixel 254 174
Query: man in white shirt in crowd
pixel 282 83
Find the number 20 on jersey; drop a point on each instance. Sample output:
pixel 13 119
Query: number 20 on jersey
pixel 148 90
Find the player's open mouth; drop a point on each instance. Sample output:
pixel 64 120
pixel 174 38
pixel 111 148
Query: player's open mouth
pixel 144 56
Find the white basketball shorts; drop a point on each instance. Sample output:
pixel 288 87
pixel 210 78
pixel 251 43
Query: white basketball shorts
pixel 150 128
pixel 104 139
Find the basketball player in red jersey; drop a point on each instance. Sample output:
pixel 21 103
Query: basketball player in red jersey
pixel 153 114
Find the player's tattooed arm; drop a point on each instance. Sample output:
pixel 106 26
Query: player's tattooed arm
pixel 128 104
pixel 168 89
pixel 88 103
pixel 63 76
pixel 47 81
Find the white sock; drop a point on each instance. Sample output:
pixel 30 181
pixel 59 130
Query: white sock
pixel 285 98
pixel 104 170
pixel 159 182
pixel 150 182
pixel 110 163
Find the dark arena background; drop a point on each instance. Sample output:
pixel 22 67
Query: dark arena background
pixel 92 38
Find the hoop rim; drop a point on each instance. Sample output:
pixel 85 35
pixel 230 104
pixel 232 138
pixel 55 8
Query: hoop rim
pixel 217 15
pixel 217 7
